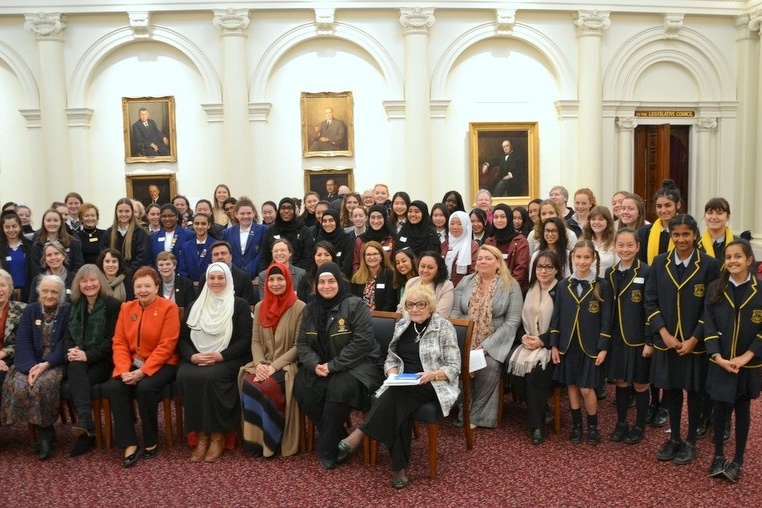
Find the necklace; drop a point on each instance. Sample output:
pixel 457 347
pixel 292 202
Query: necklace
pixel 417 333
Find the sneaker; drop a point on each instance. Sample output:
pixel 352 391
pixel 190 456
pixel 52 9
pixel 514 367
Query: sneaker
pixel 620 431
pixel 668 450
pixel 686 453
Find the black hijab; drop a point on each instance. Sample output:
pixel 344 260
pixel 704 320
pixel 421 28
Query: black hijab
pixel 508 233
pixel 336 236
pixel 377 235
pixel 323 306
pixel 283 227
pixel 418 236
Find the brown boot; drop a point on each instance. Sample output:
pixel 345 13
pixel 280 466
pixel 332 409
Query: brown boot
pixel 216 447
pixel 203 445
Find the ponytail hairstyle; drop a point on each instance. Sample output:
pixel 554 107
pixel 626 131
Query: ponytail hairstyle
pixel 587 244
pixel 721 285
pixel 686 220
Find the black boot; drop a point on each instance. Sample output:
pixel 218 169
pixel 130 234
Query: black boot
pixel 45 443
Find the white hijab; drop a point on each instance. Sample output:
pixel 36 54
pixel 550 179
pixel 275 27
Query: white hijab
pixel 459 247
pixel 211 317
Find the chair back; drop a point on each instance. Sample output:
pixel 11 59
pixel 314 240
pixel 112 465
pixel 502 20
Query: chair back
pixel 383 328
pixel 464 330
pixel 17 295
pixel 181 313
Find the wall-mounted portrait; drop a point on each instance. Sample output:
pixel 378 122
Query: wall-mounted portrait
pixel 149 129
pixel 504 160
pixel 327 124
pixel 327 181
pixel 149 189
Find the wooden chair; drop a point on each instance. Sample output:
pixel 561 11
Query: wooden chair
pixel 431 414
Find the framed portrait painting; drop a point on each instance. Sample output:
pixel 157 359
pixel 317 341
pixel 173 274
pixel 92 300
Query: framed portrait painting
pixel 327 124
pixel 316 180
pixel 149 129
pixel 149 189
pixel 504 160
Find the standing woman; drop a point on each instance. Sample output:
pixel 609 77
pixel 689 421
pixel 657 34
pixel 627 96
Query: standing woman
pixel 554 239
pixel 15 252
pixel 88 233
pixel 454 201
pixel 400 205
pixel 600 230
pixel 491 298
pixel 184 211
pixel 127 236
pixel 484 203
pixel 87 342
pixel 359 225
pixel 432 272
pixel 632 212
pixel 549 209
pixel 733 327
pixel 459 250
pixel 247 238
pixel 215 343
pixel 269 212
pixel 616 205
pixel 54 262
pixel 10 314
pixel 373 280
pixel 418 232
pixel 25 214
pixel 145 361
pixel 479 225
pixel 110 263
pixel 533 209
pixel 221 193
pixel 378 230
pixel 32 388
pixel 153 221
pixel 584 201
pixel 522 223
pixel 331 231
pixel 674 299
pixel 405 268
pixel 173 286
pixel 196 254
pixel 266 383
pixel 717 234
pixel 288 226
pixel 530 365
pixel 351 201
pixel 54 230
pixel 308 215
pixel 440 216
pixel 631 346
pixel 340 361
pixel 172 236
pixel 513 245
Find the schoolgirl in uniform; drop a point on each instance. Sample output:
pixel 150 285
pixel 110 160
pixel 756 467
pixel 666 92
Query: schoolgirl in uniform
pixel 631 346
pixel 675 292
pixel 654 240
pixel 733 327
pixel 580 333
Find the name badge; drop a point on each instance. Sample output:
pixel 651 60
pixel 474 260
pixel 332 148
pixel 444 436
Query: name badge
pixel 338 254
pixel 277 237
pixel 91 240
pixel 505 256
pixel 8 258
pixel 381 286
pixel 68 291
pixel 403 239
pixel 162 239
pixel 386 247
pixel 638 280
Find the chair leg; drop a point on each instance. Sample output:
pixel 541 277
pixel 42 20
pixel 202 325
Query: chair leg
pixel 179 418
pixel 373 451
pixel 557 409
pixel 96 404
pixel 366 450
pixel 106 403
pixel 416 432
pixel 433 438
pixel 167 402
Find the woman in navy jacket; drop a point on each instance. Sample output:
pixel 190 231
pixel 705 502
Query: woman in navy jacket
pixel 246 256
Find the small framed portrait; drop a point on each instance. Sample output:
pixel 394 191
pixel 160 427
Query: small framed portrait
pixel 327 181
pixel 149 189
pixel 149 129
pixel 327 124
pixel 504 160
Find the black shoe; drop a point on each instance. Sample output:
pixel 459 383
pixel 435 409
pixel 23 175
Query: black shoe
pixel 149 454
pixel 575 436
pixel 44 449
pixel 130 460
pixel 635 436
pixel 600 393
pixel 345 451
pixel 650 413
pixel 686 453
pixel 538 436
pixel 82 445
pixel 718 466
pixel 668 450
pixel 703 428
pixel 593 435
pixel 327 464
pixel 732 471
pixel 660 417
pixel 620 431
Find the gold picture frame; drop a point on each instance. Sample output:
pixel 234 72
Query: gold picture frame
pixel 138 187
pixel 315 179
pixel 321 138
pixel 150 139
pixel 514 179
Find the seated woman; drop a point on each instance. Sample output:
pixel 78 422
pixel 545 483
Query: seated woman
pixel 432 272
pixel 32 389
pixel 173 287
pixel 530 365
pixel 110 263
pixel 341 360
pixel 424 343
pixel 373 280
pixel 10 314
pixel 87 340
pixel 267 382
pixel 282 253
pixel 54 262
pixel 145 362
pixel 491 298
pixel 405 268
pixel 214 344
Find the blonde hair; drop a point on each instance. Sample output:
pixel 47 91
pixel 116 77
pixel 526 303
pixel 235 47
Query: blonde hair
pixel 416 292
pixel 502 269
pixel 363 275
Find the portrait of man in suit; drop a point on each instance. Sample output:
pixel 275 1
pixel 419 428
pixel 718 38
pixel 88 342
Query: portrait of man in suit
pixel 510 172
pixel 148 125
pixel 330 135
pixel 147 139
pixel 327 121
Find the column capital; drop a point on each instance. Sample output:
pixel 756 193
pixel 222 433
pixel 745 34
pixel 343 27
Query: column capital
pixel 505 20
pixel 79 117
pixel 395 110
pixel 626 123
pixel 592 22
pixel 706 123
pixel 259 111
pixel 45 25
pixel 416 20
pixel 755 20
pixel 33 118
pixel 140 22
pixel 673 23
pixel 231 21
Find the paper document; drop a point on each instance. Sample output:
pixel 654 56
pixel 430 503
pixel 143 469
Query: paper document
pixel 477 360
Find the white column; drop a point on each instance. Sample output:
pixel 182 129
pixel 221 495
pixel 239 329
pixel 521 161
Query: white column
pixel 262 187
pixel 590 26
pixel 232 24
pixel 755 160
pixel 416 22
pixel 706 129
pixel 56 170
pixel 79 129
pixel 625 127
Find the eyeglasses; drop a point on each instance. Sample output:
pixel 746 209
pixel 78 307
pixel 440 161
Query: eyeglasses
pixel 551 231
pixel 418 305
pixel 545 268
pixel 372 254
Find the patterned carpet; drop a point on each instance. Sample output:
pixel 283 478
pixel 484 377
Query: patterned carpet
pixel 503 469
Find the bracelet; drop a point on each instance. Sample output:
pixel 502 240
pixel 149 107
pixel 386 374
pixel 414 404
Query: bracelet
pixel 436 375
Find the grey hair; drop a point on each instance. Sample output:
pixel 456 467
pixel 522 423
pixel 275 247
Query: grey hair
pixel 8 279
pixel 58 281
pixel 85 271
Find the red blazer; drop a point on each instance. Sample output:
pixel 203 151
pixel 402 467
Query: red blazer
pixel 155 330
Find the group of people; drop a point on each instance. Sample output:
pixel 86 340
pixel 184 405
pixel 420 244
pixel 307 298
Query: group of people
pixel 264 322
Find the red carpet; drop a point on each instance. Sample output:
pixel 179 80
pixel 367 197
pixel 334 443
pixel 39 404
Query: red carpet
pixel 503 469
